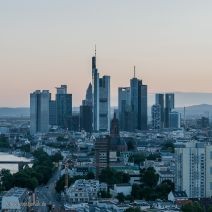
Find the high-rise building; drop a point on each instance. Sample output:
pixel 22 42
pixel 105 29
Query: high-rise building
pixel 95 94
pixel 174 120
pixel 159 100
pixel 52 113
pixel 156 117
pixel 124 106
pixel 100 99
pixel 104 103
pixel 139 103
pixel 169 106
pixel 193 169
pixel 88 97
pixel 39 111
pixel 102 150
pixel 64 107
pixel 86 117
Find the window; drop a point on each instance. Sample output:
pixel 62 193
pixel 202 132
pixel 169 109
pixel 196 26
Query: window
pixel 210 185
pixel 211 155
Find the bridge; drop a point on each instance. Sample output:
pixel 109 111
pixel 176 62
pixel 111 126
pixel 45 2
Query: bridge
pixel 21 164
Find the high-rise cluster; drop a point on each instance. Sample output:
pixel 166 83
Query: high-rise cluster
pixel 45 112
pixel 132 106
pixel 163 114
pixel 95 110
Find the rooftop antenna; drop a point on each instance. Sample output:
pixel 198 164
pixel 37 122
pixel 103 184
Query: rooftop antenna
pixel 95 50
pixel 134 71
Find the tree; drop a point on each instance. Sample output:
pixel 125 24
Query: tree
pixel 57 157
pixel 4 142
pixel 90 176
pixel 7 179
pixel 149 177
pixel 137 158
pixel 168 146
pixel 192 207
pixel 120 197
pixel 137 192
pixel 164 189
pixel 111 177
pixel 133 209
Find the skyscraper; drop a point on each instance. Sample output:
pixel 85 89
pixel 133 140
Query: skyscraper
pixel 174 120
pixel 169 106
pixel 39 111
pixel 104 103
pixel 95 94
pixel 159 100
pixel 64 107
pixel 88 96
pixel 139 102
pixel 100 99
pixel 193 169
pixel 124 106
pixel 156 117
pixel 52 113
pixel 86 117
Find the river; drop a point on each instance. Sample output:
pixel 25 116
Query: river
pixel 11 158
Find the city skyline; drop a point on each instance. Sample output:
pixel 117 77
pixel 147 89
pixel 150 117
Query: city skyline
pixel 169 43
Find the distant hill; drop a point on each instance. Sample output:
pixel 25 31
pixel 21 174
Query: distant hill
pixel 14 112
pixel 197 110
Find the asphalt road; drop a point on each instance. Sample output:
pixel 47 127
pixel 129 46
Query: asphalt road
pixel 46 195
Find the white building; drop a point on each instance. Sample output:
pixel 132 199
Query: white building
pixel 194 169
pixel 83 191
pixel 16 199
pixel 39 111
pixel 124 188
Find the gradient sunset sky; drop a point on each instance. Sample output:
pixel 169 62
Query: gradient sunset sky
pixel 45 43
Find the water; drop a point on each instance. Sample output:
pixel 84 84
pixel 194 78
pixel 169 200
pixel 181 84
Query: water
pixel 9 157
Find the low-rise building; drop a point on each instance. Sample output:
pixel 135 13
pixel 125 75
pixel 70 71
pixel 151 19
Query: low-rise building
pixel 16 199
pixel 83 191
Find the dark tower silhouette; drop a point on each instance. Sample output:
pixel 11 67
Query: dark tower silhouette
pixel 114 131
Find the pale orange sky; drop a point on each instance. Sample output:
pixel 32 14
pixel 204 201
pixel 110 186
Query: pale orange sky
pixel 47 43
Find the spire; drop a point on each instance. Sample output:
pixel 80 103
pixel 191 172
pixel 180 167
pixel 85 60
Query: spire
pixel 95 50
pixel 134 71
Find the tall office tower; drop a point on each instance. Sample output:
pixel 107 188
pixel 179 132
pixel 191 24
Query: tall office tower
pixel 159 100
pixel 139 102
pixel 86 117
pixel 193 169
pixel 174 120
pixel 52 113
pixel 39 111
pixel 124 106
pixel 104 103
pixel 88 97
pixel 95 94
pixel 169 105
pixel 100 99
pixel 64 107
pixel 102 150
pixel 156 117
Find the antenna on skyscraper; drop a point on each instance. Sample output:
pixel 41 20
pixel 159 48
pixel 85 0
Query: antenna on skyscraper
pixel 134 71
pixel 95 50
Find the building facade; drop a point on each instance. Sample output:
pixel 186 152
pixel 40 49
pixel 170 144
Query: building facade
pixel 159 100
pixel 194 169
pixel 156 117
pixel 169 106
pixel 64 108
pixel 139 103
pixel 39 111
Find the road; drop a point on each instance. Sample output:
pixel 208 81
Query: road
pixel 47 195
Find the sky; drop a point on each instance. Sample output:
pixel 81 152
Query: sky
pixel 45 43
